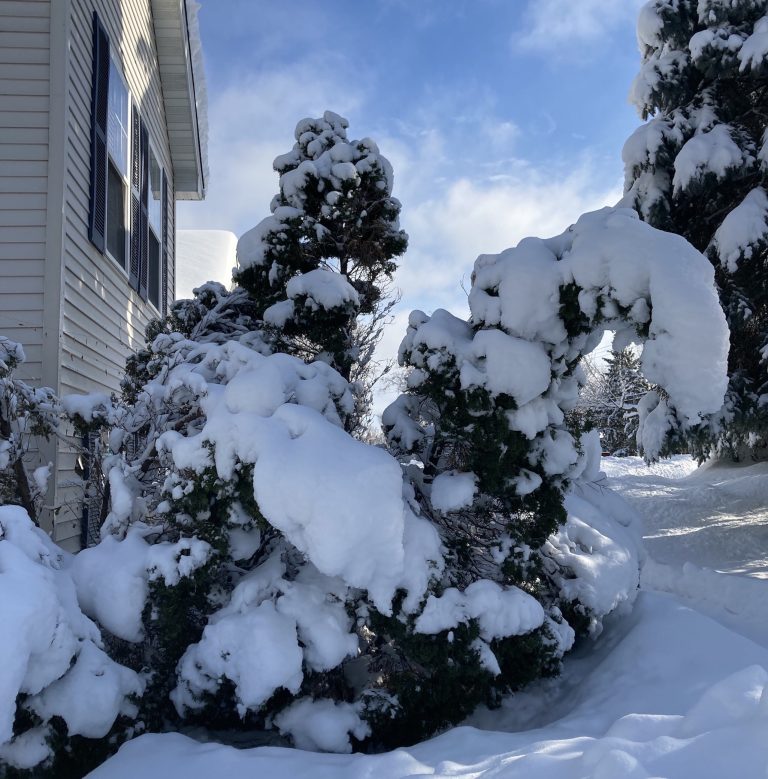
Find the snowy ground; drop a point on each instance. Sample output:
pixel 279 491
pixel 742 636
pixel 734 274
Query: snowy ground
pixel 677 689
pixel 715 517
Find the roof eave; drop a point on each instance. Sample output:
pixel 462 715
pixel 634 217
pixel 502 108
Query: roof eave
pixel 177 78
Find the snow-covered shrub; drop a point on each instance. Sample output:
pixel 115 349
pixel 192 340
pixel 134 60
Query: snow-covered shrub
pixel 27 416
pixel 483 426
pixel 319 267
pixel 250 538
pixel 59 690
pixel 273 571
pixel 699 168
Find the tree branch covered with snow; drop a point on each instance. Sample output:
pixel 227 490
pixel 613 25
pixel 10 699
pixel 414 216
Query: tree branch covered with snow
pixel 698 168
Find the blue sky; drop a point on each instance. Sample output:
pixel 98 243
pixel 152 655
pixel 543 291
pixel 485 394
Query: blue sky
pixel 502 118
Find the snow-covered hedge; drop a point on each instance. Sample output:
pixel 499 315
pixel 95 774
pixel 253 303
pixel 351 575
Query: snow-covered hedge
pixel 27 416
pixel 538 308
pixel 264 569
pixel 319 268
pixel 277 553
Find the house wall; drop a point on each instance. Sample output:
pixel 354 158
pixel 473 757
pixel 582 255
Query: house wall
pixel 24 121
pixel 102 318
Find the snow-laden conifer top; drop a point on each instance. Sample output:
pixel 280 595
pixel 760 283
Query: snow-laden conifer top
pixel 323 154
pixel 628 276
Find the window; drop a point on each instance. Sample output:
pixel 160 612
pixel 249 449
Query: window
pixel 116 233
pixel 117 120
pixel 155 214
pixel 117 166
pixel 128 214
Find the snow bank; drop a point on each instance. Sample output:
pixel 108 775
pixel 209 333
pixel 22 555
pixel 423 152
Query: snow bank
pixel 713 517
pixel 678 697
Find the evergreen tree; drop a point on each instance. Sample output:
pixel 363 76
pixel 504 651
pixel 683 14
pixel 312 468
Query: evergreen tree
pixel 609 401
pixel 484 426
pixel 699 168
pixel 319 268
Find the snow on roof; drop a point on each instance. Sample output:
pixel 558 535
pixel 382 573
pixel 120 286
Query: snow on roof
pixel 203 255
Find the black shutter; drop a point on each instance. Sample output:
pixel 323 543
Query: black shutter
pixel 97 216
pixel 136 259
pixel 144 217
pixel 164 264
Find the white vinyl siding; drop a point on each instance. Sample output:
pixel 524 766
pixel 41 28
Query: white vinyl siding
pixel 103 319
pixel 24 119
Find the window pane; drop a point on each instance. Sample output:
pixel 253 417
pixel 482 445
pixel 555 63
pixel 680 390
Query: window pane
pixel 155 204
pixel 115 214
pixel 154 270
pixel 117 119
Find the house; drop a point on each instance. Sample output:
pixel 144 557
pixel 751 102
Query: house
pixel 101 120
pixel 204 255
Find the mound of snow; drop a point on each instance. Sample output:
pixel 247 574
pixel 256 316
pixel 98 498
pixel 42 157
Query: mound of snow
pixel 679 697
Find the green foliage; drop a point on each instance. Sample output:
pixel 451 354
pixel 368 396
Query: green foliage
pixel 71 757
pixel 428 683
pixel 173 619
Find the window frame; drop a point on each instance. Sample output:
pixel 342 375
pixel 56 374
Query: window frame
pixel 136 181
pixel 125 177
pixel 157 233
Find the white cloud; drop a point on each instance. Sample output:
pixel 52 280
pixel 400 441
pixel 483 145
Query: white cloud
pixel 471 218
pixel 452 217
pixel 462 201
pixel 464 191
pixel 563 27
pixel 251 122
